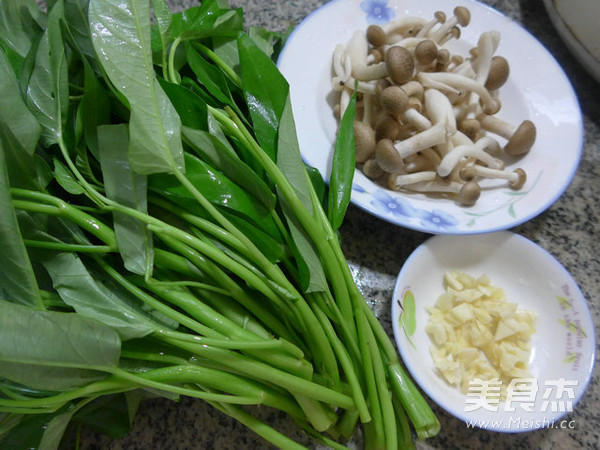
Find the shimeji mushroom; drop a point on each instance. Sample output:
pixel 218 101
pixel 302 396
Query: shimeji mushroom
pixel 396 103
pixel 402 27
pixel 516 179
pixel 443 124
pixel 372 170
pixel 435 117
pixel 459 153
pixel 499 73
pixel 406 179
pixel 466 193
pixel 364 137
pixel 388 157
pixel 462 17
pixel 439 17
pixel 520 139
pixel 454 82
pixel 398 62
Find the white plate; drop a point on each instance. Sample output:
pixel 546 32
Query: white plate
pixel 534 280
pixel 537 90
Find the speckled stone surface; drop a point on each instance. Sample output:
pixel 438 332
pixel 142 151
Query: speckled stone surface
pixel 569 229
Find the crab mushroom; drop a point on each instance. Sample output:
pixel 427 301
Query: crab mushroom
pixel 454 82
pixel 413 89
pixel 516 179
pixel 486 47
pixel 395 102
pixel 376 36
pixel 519 139
pixel 454 33
pixel 405 180
pixel 439 17
pixel 499 72
pixel 372 170
pixel 459 153
pixel 364 137
pixel 470 127
pixel 462 17
pixel 426 52
pixel 388 157
pixel 466 193
pixel 386 126
pixel 400 64
pixel 404 26
pixel 441 114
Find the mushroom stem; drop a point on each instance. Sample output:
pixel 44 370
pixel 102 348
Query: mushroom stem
pixel 519 139
pixel 434 135
pixel 404 26
pixel 461 17
pixel 439 17
pixel 450 160
pixel 516 179
pixel 455 82
pixel 466 193
pixel 404 180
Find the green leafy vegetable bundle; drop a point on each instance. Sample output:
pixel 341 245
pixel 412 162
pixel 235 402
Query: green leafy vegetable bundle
pixel 161 235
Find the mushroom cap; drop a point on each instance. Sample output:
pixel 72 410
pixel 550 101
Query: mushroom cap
pixel 394 100
pixel 499 72
pixel 364 138
pixel 376 36
pixel 468 173
pixel 440 16
pixel 388 157
pixel 386 127
pixel 426 52
pixel 521 179
pixel 522 139
pixel 470 127
pixel 400 64
pixel 372 170
pixel 443 57
pixel 469 193
pixel 463 15
pixel 376 54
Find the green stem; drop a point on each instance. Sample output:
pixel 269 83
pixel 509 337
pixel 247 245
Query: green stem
pixel 219 62
pixel 261 371
pixel 62 247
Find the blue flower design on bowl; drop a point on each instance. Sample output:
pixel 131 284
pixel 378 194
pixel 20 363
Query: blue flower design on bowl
pixel 392 206
pixel 398 207
pixel 377 11
pixel 439 219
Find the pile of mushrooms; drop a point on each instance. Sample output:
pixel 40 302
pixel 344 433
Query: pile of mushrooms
pixel 426 117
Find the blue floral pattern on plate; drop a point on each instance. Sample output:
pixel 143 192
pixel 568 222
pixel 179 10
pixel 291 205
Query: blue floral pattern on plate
pixel 377 11
pixel 394 206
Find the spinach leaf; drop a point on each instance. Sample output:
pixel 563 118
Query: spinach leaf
pixel 266 92
pixel 129 189
pixel 290 163
pixel 54 350
pixel 17 279
pixel 214 185
pixel 48 91
pixel 208 19
pixel 343 166
pixel 121 36
pixel 96 298
pixel 19 130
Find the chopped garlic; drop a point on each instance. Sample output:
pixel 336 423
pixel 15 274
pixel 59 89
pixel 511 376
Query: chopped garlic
pixel 477 333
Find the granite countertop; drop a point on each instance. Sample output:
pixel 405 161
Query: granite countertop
pixel 376 250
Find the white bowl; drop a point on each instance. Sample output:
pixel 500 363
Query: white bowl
pixel 533 279
pixel 577 24
pixel 537 89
